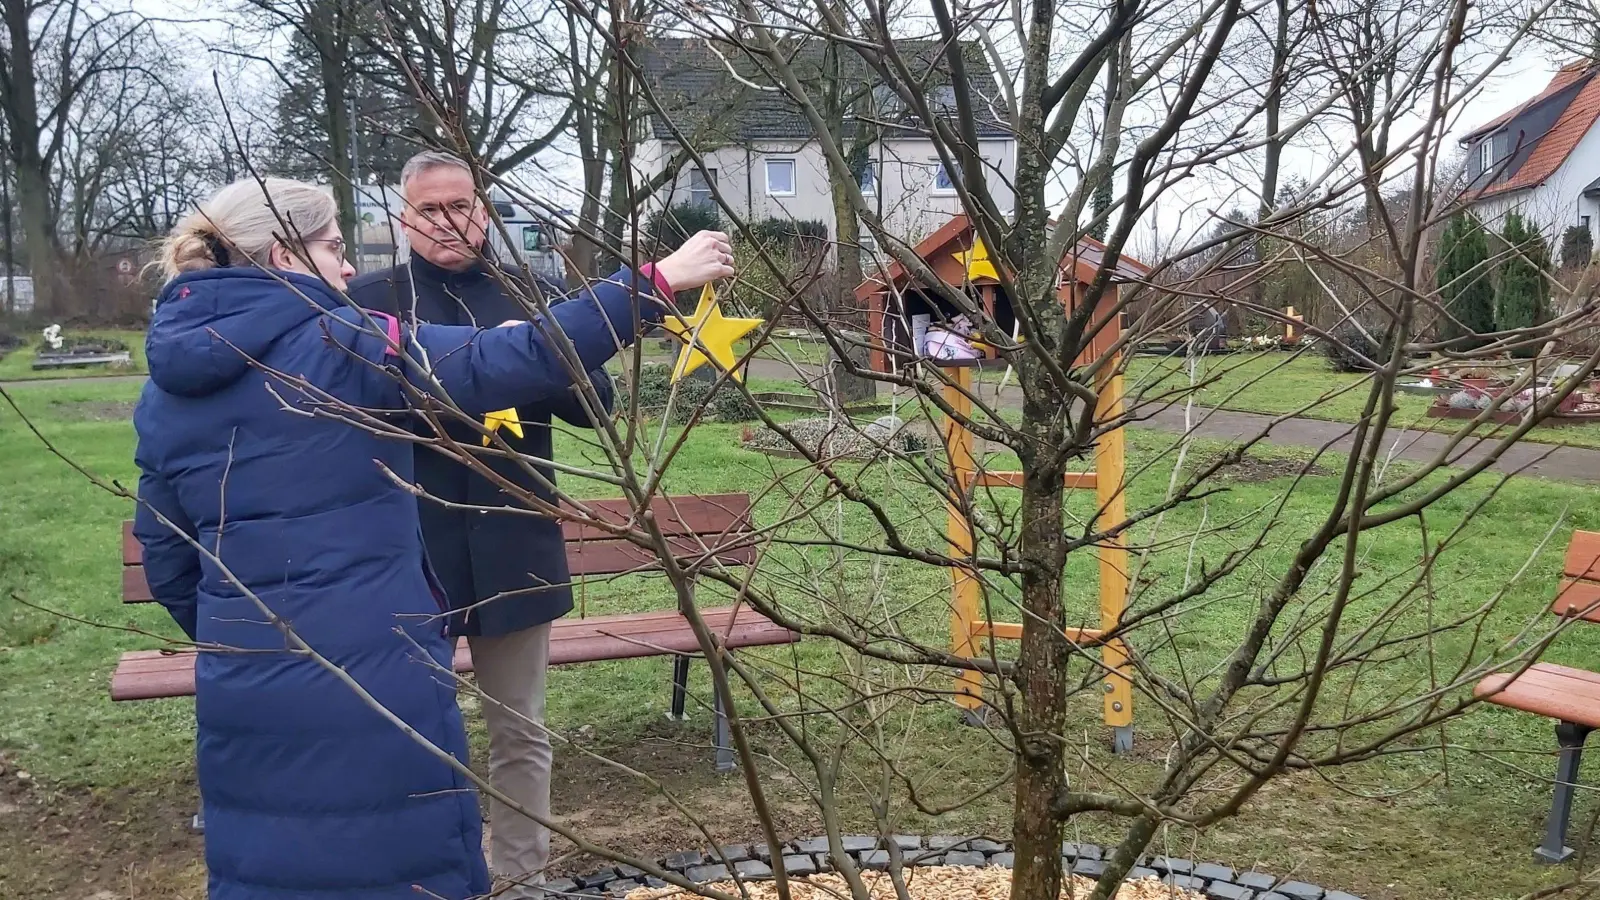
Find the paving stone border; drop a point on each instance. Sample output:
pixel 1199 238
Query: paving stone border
pixel 810 856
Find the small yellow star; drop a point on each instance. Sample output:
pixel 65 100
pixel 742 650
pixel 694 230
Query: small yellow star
pixel 708 335
pixel 976 261
pixel 505 417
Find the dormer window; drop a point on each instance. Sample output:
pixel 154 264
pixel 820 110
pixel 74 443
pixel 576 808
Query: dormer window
pixel 1486 155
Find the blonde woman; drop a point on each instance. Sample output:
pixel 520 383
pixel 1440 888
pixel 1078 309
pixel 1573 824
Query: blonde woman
pixel 307 790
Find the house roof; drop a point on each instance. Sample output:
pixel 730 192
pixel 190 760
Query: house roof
pixel 692 82
pixel 1563 79
pixel 957 235
pixel 1552 148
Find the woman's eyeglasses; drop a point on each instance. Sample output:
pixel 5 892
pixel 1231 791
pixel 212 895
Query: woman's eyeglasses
pixel 337 244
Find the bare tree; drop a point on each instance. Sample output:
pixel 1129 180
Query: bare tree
pixel 129 164
pixel 1298 685
pixel 57 52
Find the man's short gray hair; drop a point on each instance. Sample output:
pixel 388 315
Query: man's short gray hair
pixel 431 159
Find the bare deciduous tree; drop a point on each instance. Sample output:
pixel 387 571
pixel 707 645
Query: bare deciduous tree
pixel 851 549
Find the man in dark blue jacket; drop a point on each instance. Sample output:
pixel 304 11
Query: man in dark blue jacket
pixel 505 573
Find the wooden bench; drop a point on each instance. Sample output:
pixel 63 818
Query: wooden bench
pixel 697 527
pixel 1569 696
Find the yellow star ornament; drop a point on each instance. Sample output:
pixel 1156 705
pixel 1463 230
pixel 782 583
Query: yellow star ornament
pixel 506 418
pixel 708 335
pixel 976 261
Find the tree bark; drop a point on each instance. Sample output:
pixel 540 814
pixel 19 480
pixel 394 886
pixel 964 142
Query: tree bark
pixel 838 97
pixel 39 241
pixel 1041 676
pixel 1274 112
pixel 8 236
pixel 332 38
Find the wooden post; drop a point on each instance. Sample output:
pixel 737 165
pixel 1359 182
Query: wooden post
pixel 1110 466
pixel 966 606
pixel 1289 336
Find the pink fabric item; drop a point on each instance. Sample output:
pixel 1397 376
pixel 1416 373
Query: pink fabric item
pixel 941 344
pixel 663 286
pixel 392 326
pixel 950 342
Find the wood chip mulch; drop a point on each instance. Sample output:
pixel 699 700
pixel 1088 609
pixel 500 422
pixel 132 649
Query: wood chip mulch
pixel 925 883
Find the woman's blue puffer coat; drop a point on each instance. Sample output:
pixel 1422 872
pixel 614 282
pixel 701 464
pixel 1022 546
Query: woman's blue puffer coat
pixel 307 791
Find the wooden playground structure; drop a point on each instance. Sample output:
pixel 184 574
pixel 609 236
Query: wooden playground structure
pixel 958 257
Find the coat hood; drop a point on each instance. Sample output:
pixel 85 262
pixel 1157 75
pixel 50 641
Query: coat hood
pixel 209 325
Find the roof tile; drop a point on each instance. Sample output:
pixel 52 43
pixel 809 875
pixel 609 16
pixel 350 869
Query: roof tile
pixel 1563 78
pixel 1557 144
pixel 691 80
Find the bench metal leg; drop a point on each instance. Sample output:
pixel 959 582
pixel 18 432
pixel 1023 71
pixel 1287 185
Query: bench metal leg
pixel 722 738
pixel 680 688
pixel 1570 736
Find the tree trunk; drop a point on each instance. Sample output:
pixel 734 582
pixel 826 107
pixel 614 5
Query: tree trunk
pixel 1041 660
pixel 334 52
pixel 1274 111
pixel 9 237
pixel 837 97
pixel 1100 201
pixel 846 387
pixel 39 242
pixel 1041 675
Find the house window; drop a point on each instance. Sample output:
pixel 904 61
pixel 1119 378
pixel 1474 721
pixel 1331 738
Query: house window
pixel 1486 155
pixel 869 179
pixel 944 180
pixel 887 102
pixel 780 178
pixel 701 183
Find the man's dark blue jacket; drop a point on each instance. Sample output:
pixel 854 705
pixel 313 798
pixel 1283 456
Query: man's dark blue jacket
pixel 504 571
pixel 308 791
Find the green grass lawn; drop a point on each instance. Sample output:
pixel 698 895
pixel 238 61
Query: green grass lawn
pixel 18 364
pixel 1280 383
pixel 1423 825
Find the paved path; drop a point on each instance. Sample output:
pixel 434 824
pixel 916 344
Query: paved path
pixel 1561 463
pixel 57 382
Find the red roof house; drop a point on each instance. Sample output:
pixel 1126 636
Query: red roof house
pixel 1542 158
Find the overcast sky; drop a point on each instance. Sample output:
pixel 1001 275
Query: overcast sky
pixel 1179 216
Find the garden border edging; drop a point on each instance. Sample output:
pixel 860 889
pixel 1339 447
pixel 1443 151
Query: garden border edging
pixel 808 857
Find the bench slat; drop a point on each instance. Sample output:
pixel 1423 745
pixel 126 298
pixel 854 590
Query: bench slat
pixel 1583 556
pixel 584 559
pixel 132 552
pixel 1546 689
pixel 135 588
pixel 1578 599
pixel 153 674
pixel 618 557
pixel 710 514
pixel 691 524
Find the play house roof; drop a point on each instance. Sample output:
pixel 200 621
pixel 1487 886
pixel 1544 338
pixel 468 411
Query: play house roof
pixel 956 236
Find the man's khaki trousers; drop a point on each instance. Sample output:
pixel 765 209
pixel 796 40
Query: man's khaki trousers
pixel 511 673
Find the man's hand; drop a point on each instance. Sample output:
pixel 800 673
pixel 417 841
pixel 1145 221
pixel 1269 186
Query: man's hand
pixel 701 260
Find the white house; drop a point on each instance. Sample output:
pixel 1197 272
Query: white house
pixel 760 151
pixel 1542 158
